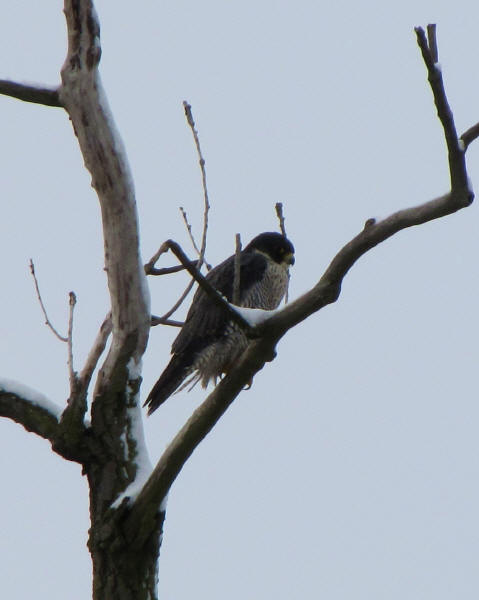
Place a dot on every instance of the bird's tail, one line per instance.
(170, 380)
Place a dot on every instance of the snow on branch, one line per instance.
(29, 408)
(30, 93)
(255, 316)
(37, 414)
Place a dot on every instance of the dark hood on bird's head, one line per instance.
(275, 245)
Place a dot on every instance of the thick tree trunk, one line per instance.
(121, 570)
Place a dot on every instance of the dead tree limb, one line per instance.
(207, 287)
(30, 93)
(326, 291)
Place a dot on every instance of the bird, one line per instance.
(209, 342)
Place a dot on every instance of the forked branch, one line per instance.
(325, 292)
(202, 163)
(39, 415)
(207, 287)
(82, 96)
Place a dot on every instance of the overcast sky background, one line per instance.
(350, 470)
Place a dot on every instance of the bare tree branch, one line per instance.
(208, 288)
(161, 321)
(470, 135)
(325, 292)
(40, 416)
(82, 96)
(191, 123)
(189, 229)
(457, 163)
(280, 215)
(150, 269)
(237, 272)
(71, 371)
(30, 93)
(34, 417)
(154, 259)
(180, 300)
(97, 350)
(190, 233)
(432, 42)
(39, 296)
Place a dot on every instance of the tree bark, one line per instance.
(119, 571)
(127, 522)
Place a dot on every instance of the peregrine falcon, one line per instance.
(209, 343)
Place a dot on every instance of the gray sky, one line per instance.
(350, 469)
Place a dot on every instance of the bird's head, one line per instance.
(275, 245)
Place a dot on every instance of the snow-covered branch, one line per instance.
(37, 414)
(30, 93)
(27, 396)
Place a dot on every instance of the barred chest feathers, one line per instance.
(218, 358)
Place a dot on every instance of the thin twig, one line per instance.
(208, 288)
(179, 302)
(168, 270)
(201, 252)
(98, 347)
(279, 212)
(154, 259)
(191, 123)
(237, 272)
(192, 237)
(150, 268)
(71, 371)
(470, 135)
(161, 321)
(39, 296)
(188, 228)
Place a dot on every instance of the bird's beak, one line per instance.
(289, 258)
